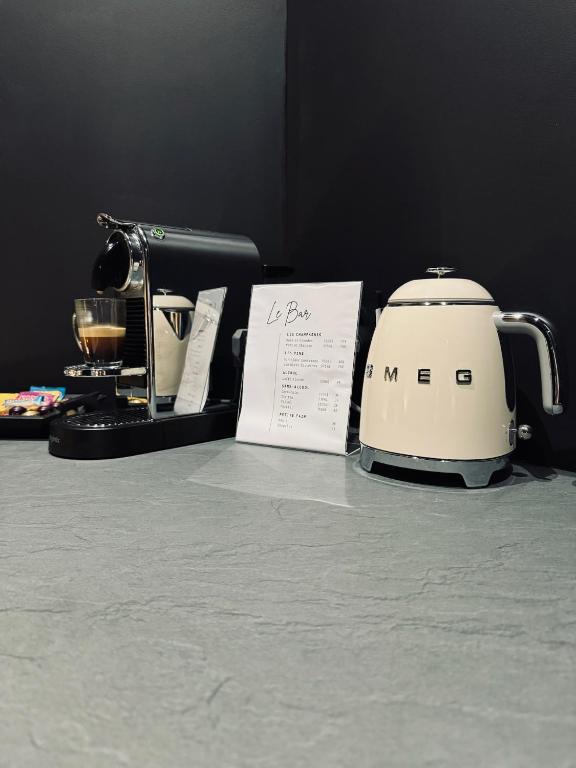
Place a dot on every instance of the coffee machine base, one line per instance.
(131, 431)
(476, 474)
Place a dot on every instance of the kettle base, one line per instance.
(475, 473)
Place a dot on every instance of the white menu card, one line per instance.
(193, 390)
(299, 364)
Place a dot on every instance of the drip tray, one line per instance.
(131, 431)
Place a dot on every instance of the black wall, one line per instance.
(441, 131)
(169, 111)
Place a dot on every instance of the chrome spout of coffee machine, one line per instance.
(159, 271)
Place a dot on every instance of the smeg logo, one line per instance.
(424, 375)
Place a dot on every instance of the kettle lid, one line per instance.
(441, 289)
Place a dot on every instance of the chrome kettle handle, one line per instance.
(541, 331)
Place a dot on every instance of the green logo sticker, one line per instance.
(158, 233)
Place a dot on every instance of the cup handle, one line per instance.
(75, 331)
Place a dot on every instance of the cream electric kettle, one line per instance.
(438, 389)
(173, 317)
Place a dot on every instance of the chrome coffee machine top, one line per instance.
(150, 276)
(439, 391)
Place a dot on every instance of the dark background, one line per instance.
(170, 112)
(425, 132)
(418, 132)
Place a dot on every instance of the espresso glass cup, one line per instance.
(100, 327)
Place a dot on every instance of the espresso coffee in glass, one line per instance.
(100, 327)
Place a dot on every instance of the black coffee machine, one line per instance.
(138, 261)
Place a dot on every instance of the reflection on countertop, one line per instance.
(238, 605)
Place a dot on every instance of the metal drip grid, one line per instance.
(109, 419)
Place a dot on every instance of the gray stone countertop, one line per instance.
(232, 605)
